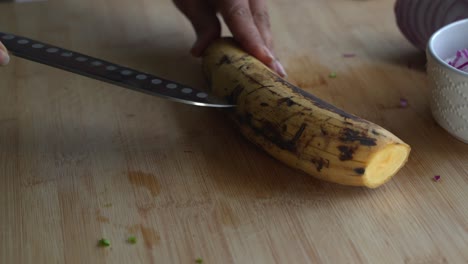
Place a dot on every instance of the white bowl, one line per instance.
(449, 86)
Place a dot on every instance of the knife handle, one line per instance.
(106, 71)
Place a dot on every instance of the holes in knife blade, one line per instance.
(141, 77)
(171, 86)
(8, 37)
(52, 50)
(37, 46)
(186, 90)
(156, 81)
(96, 63)
(202, 95)
(67, 54)
(111, 68)
(126, 72)
(81, 59)
(23, 41)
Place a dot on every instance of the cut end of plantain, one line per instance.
(385, 164)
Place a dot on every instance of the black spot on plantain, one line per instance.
(224, 60)
(346, 152)
(232, 98)
(319, 102)
(264, 104)
(248, 118)
(320, 163)
(350, 135)
(299, 133)
(324, 132)
(375, 132)
(286, 100)
(274, 133)
(360, 171)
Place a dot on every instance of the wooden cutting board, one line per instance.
(82, 160)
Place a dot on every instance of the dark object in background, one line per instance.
(419, 19)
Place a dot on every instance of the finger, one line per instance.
(262, 21)
(4, 57)
(2, 48)
(202, 15)
(238, 18)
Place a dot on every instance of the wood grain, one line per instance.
(81, 159)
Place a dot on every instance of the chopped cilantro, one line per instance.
(104, 242)
(132, 240)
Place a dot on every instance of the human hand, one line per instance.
(4, 58)
(248, 21)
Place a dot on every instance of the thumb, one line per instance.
(4, 57)
(203, 17)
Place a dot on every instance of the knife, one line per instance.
(108, 72)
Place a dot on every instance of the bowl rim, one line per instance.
(433, 53)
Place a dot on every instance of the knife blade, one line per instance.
(109, 72)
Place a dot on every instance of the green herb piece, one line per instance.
(132, 240)
(332, 75)
(199, 261)
(104, 242)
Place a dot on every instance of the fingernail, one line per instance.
(4, 58)
(280, 69)
(269, 54)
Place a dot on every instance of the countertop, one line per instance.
(82, 160)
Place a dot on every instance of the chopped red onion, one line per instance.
(403, 102)
(349, 55)
(437, 178)
(460, 60)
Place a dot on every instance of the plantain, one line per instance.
(297, 128)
